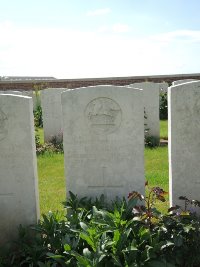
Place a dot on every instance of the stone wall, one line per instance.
(76, 83)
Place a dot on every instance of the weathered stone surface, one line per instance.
(151, 106)
(184, 142)
(24, 93)
(163, 87)
(52, 113)
(104, 140)
(18, 168)
(11, 92)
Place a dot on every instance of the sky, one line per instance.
(99, 38)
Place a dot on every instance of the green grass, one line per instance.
(52, 190)
(156, 171)
(164, 129)
(40, 132)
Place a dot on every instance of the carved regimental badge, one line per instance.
(103, 115)
(3, 128)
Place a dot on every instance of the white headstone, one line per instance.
(103, 140)
(11, 92)
(36, 99)
(18, 168)
(151, 106)
(163, 87)
(52, 113)
(24, 93)
(28, 93)
(184, 143)
(183, 81)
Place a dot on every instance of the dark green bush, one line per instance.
(163, 106)
(55, 145)
(124, 233)
(57, 142)
(38, 121)
(152, 141)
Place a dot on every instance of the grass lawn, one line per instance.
(156, 171)
(40, 132)
(164, 129)
(51, 182)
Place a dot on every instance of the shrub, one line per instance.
(38, 109)
(57, 142)
(37, 139)
(151, 141)
(55, 145)
(38, 121)
(124, 233)
(163, 106)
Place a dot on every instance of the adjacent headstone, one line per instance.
(12, 92)
(182, 81)
(151, 107)
(36, 99)
(18, 168)
(24, 93)
(163, 87)
(52, 113)
(184, 142)
(103, 140)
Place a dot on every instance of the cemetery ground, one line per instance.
(164, 129)
(52, 182)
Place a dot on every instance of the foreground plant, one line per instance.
(147, 212)
(128, 232)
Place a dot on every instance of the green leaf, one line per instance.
(116, 261)
(54, 256)
(87, 253)
(168, 244)
(187, 228)
(102, 256)
(100, 213)
(67, 247)
(84, 226)
(82, 260)
(144, 234)
(88, 240)
(150, 253)
(116, 236)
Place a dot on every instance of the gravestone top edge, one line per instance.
(98, 87)
(13, 95)
(184, 84)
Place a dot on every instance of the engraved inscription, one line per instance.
(103, 115)
(3, 128)
(7, 195)
(105, 184)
